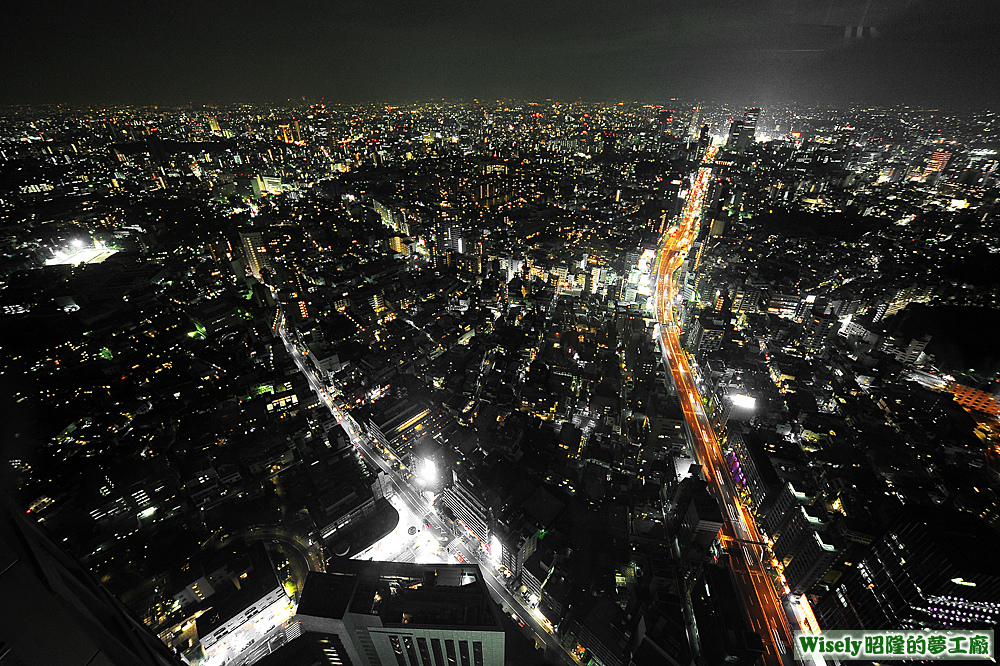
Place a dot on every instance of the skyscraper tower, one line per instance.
(695, 119)
(704, 140)
(746, 129)
(664, 127)
(290, 132)
(255, 251)
(666, 123)
(734, 133)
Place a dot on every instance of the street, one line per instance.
(767, 614)
(420, 506)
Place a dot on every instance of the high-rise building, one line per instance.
(745, 129)
(932, 568)
(811, 560)
(704, 140)
(462, 498)
(975, 399)
(388, 613)
(937, 163)
(734, 133)
(255, 250)
(665, 124)
(751, 468)
(55, 611)
(290, 132)
(695, 119)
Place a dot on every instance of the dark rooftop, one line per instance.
(400, 593)
(327, 595)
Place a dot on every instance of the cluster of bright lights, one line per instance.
(743, 401)
(427, 472)
(80, 251)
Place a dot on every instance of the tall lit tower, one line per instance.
(734, 133)
(255, 251)
(704, 140)
(695, 119)
(290, 132)
(666, 122)
(747, 128)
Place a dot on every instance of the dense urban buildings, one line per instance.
(508, 382)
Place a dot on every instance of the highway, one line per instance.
(765, 607)
(420, 506)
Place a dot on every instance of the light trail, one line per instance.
(763, 604)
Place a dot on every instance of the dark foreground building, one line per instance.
(395, 614)
(933, 568)
(55, 612)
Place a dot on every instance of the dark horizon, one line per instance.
(766, 52)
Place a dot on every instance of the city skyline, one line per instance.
(767, 53)
(507, 376)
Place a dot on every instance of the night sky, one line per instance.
(754, 51)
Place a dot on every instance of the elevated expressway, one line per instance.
(763, 604)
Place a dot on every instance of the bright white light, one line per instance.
(427, 472)
(78, 243)
(743, 401)
(495, 550)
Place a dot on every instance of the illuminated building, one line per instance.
(937, 162)
(932, 568)
(256, 607)
(396, 429)
(976, 400)
(695, 119)
(238, 618)
(701, 520)
(388, 613)
(707, 335)
(462, 497)
(911, 355)
(704, 140)
(805, 549)
(751, 469)
(734, 133)
(255, 251)
(778, 505)
(812, 559)
(399, 246)
(665, 122)
(290, 132)
(741, 132)
(55, 610)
